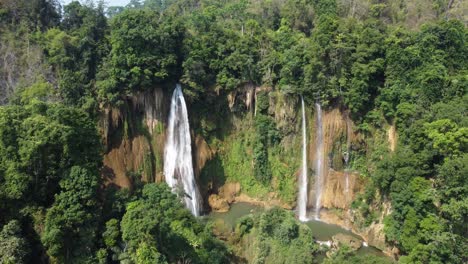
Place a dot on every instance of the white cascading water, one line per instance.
(347, 156)
(346, 174)
(178, 168)
(302, 199)
(319, 162)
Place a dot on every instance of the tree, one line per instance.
(77, 50)
(159, 228)
(447, 138)
(453, 190)
(39, 143)
(144, 51)
(71, 222)
(40, 14)
(13, 247)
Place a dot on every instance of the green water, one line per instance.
(236, 211)
(323, 231)
(320, 230)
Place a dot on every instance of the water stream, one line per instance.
(319, 160)
(302, 199)
(178, 167)
(347, 156)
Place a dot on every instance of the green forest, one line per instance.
(77, 80)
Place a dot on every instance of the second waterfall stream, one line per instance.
(319, 160)
(302, 199)
(178, 167)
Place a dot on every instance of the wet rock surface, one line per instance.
(351, 242)
(218, 204)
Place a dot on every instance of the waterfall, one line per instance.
(319, 162)
(346, 175)
(178, 168)
(347, 156)
(302, 199)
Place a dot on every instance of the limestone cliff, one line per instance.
(134, 136)
(337, 134)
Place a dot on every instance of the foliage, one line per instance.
(14, 247)
(144, 51)
(347, 256)
(159, 228)
(275, 236)
(71, 222)
(39, 144)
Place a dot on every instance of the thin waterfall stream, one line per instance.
(302, 199)
(346, 156)
(178, 167)
(319, 160)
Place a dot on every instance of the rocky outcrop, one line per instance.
(392, 137)
(271, 201)
(133, 135)
(245, 94)
(129, 156)
(373, 234)
(338, 138)
(202, 153)
(283, 109)
(230, 191)
(218, 204)
(351, 242)
(153, 106)
(334, 194)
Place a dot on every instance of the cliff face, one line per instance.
(337, 135)
(334, 194)
(285, 157)
(340, 142)
(134, 136)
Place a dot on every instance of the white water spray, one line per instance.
(302, 199)
(178, 168)
(347, 156)
(319, 162)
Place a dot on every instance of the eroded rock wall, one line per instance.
(133, 135)
(338, 138)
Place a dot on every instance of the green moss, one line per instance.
(236, 158)
(159, 129)
(284, 165)
(148, 167)
(126, 129)
(234, 162)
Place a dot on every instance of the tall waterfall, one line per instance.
(319, 162)
(347, 156)
(178, 168)
(302, 199)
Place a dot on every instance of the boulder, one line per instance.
(347, 240)
(218, 204)
(229, 191)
